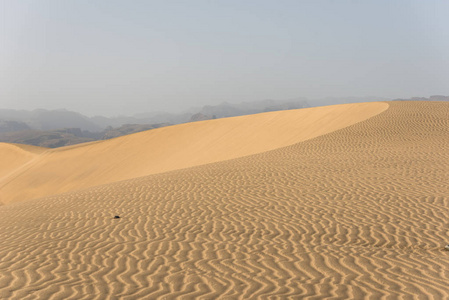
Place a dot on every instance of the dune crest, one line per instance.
(176, 147)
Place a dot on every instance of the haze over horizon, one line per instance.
(121, 57)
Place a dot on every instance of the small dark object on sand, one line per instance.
(116, 217)
(446, 247)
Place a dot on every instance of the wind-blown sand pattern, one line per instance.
(359, 212)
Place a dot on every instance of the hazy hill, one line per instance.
(41, 119)
(12, 126)
(141, 119)
(48, 139)
(431, 98)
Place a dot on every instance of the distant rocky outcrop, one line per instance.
(201, 117)
(439, 98)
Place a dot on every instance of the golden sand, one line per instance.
(14, 156)
(344, 209)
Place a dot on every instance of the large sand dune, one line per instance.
(165, 149)
(359, 210)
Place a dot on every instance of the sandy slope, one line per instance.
(14, 156)
(75, 167)
(358, 213)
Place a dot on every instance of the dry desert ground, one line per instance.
(339, 202)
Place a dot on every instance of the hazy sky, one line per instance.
(122, 57)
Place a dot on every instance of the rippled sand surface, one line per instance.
(357, 209)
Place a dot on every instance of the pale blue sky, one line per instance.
(123, 57)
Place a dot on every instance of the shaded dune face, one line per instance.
(175, 147)
(360, 212)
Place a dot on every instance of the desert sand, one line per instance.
(340, 202)
(15, 156)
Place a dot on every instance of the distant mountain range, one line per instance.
(431, 98)
(56, 128)
(40, 119)
(67, 136)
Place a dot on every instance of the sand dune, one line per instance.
(359, 212)
(14, 156)
(182, 146)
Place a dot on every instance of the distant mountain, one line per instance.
(69, 136)
(57, 128)
(49, 139)
(142, 118)
(48, 120)
(439, 98)
(12, 126)
(431, 98)
(201, 117)
(41, 119)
